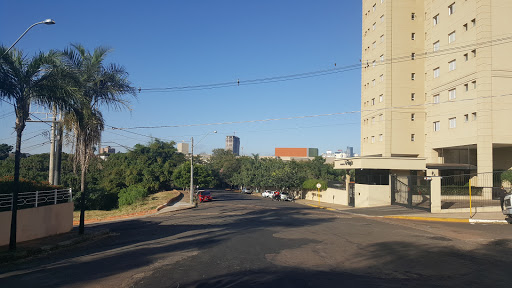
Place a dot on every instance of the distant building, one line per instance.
(107, 150)
(349, 152)
(233, 144)
(296, 153)
(183, 148)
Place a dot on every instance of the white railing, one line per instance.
(37, 198)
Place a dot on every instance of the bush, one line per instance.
(132, 194)
(461, 191)
(310, 184)
(7, 185)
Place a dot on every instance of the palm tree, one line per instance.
(100, 85)
(23, 81)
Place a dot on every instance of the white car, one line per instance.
(285, 196)
(267, 194)
(246, 191)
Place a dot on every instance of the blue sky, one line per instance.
(181, 43)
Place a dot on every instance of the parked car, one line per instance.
(507, 207)
(266, 194)
(204, 196)
(246, 191)
(285, 196)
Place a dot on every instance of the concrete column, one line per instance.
(435, 195)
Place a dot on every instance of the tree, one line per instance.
(24, 81)
(99, 85)
(5, 150)
(224, 164)
(203, 177)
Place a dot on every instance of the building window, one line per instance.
(412, 96)
(381, 77)
(474, 84)
(413, 55)
(436, 72)
(437, 126)
(413, 16)
(380, 137)
(381, 117)
(466, 117)
(465, 26)
(474, 53)
(466, 58)
(466, 87)
(473, 22)
(452, 94)
(382, 19)
(412, 137)
(436, 46)
(374, 44)
(381, 38)
(373, 101)
(452, 65)
(435, 99)
(373, 63)
(413, 76)
(413, 36)
(453, 122)
(412, 116)
(373, 139)
(373, 82)
(451, 37)
(474, 116)
(382, 58)
(374, 7)
(381, 98)
(373, 120)
(374, 26)
(451, 9)
(436, 19)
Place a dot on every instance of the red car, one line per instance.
(204, 196)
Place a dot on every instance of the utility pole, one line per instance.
(192, 172)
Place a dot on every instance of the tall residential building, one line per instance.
(436, 84)
(183, 148)
(233, 144)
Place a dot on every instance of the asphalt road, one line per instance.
(245, 241)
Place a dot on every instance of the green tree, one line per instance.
(24, 81)
(224, 165)
(100, 84)
(5, 150)
(203, 177)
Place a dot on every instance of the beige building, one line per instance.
(183, 148)
(436, 86)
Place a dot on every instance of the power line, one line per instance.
(397, 59)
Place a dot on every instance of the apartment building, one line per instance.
(436, 86)
(233, 144)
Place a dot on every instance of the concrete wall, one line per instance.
(372, 195)
(38, 222)
(331, 195)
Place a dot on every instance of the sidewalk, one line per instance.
(400, 212)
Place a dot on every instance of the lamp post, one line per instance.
(47, 22)
(192, 165)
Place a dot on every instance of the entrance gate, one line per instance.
(410, 191)
(351, 194)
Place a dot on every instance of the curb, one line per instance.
(474, 221)
(431, 219)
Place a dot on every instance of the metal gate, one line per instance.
(351, 194)
(410, 191)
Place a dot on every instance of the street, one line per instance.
(247, 241)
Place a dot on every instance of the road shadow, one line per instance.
(139, 241)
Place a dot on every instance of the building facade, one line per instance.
(233, 144)
(436, 83)
(183, 148)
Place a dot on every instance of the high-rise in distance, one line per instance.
(233, 144)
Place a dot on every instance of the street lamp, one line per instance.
(192, 166)
(47, 22)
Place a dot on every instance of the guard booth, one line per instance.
(373, 181)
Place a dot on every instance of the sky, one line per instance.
(168, 44)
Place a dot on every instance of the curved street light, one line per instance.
(47, 22)
(192, 165)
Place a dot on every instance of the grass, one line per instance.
(150, 203)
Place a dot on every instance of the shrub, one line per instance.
(132, 194)
(7, 185)
(507, 176)
(310, 184)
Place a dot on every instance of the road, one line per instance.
(245, 241)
